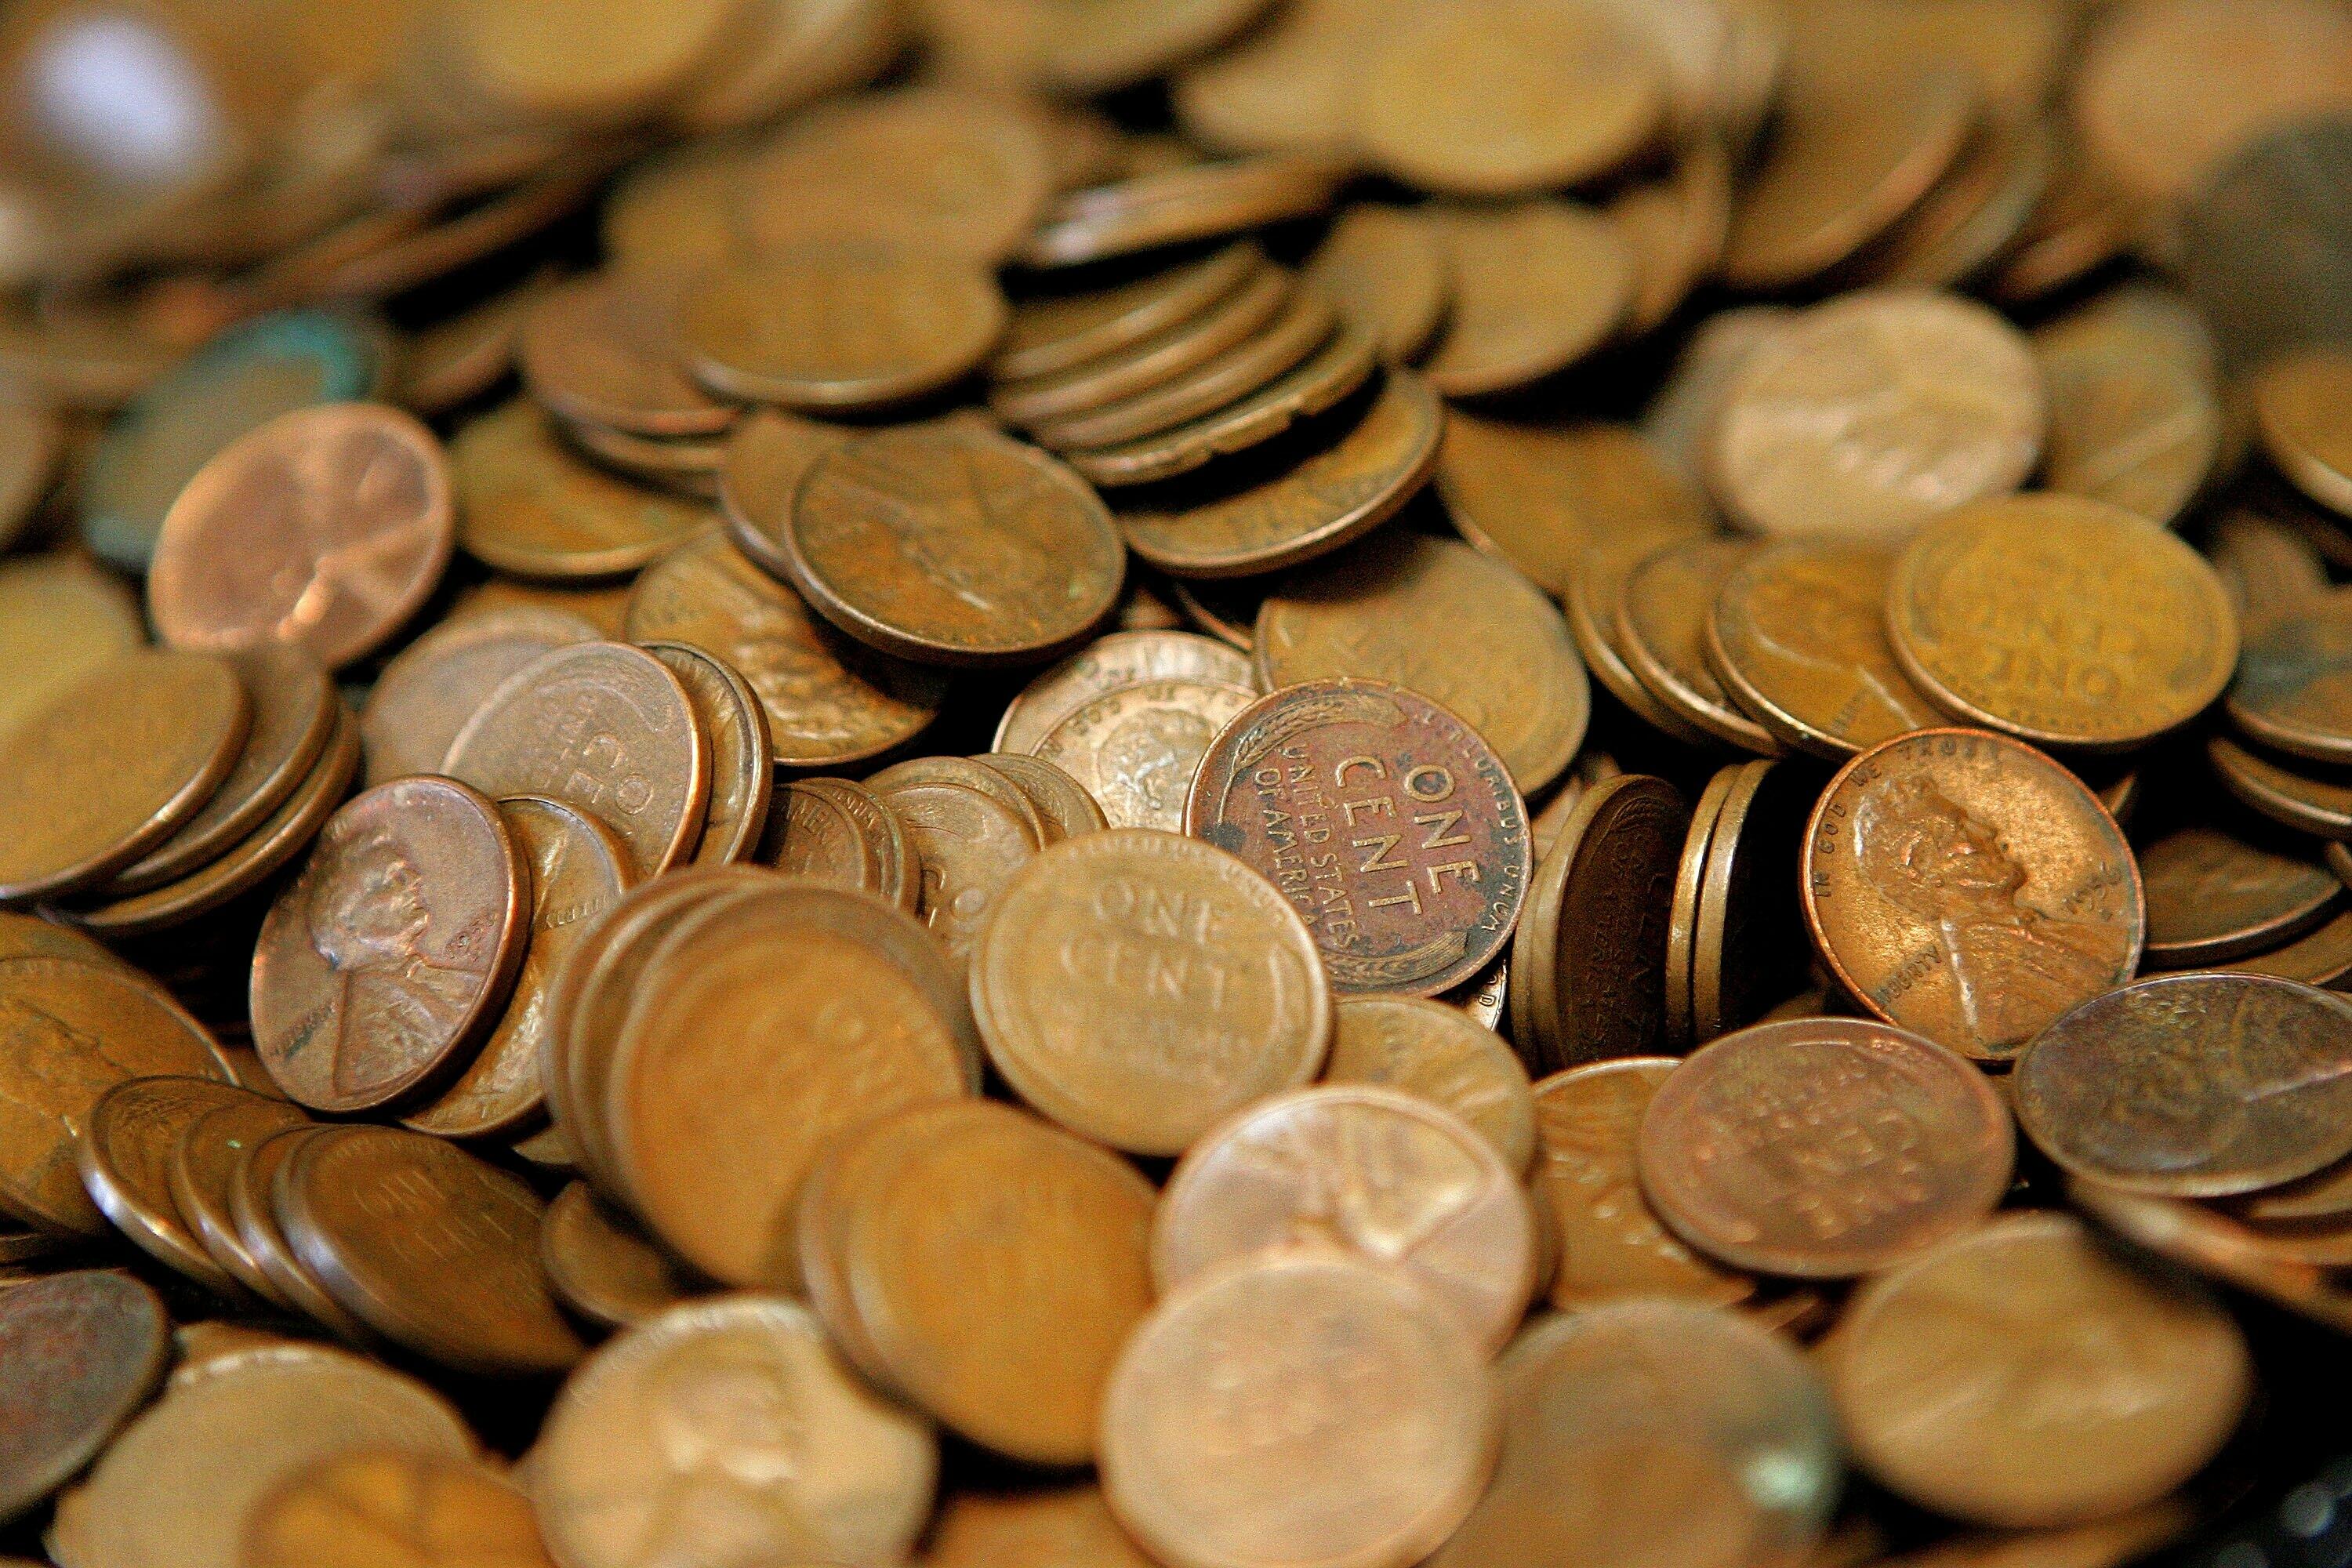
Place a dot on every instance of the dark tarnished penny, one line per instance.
(385, 961)
(600, 1265)
(2193, 1085)
(2294, 686)
(429, 1245)
(1390, 827)
(82, 1352)
(1748, 943)
(2315, 801)
(125, 1158)
(1060, 332)
(201, 1172)
(1825, 1148)
(1964, 886)
(2213, 896)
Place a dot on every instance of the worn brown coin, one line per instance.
(1382, 612)
(383, 964)
(965, 772)
(1438, 859)
(2213, 896)
(459, 358)
(1060, 332)
(968, 847)
(2288, 693)
(1389, 273)
(72, 1031)
(538, 66)
(603, 727)
(253, 1213)
(1438, 1053)
(2267, 566)
(1663, 614)
(429, 1245)
(1609, 1241)
(2310, 802)
(1542, 497)
(33, 436)
(1748, 947)
(821, 833)
(2191, 1085)
(1121, 658)
(2298, 410)
(950, 543)
(761, 472)
(2321, 957)
(742, 762)
(1835, 426)
(821, 1008)
(1596, 593)
(1823, 1148)
(1677, 225)
(200, 1171)
(433, 685)
(1845, 164)
(1973, 214)
(1798, 635)
(125, 1158)
(1388, 1443)
(113, 766)
(373, 1510)
(1682, 914)
(60, 616)
(1177, 350)
(2023, 1376)
(527, 505)
(1201, 201)
(1066, 1527)
(84, 1351)
(1963, 886)
(1064, 988)
(28, 936)
(702, 1403)
(1385, 1175)
(2129, 424)
(601, 1266)
(1538, 285)
(1135, 748)
(1287, 85)
(2149, 639)
(1680, 419)
(601, 351)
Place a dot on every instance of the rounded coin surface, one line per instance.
(527, 505)
(1823, 1148)
(1119, 658)
(1387, 272)
(1440, 1054)
(60, 616)
(1538, 285)
(1064, 807)
(968, 847)
(1440, 857)
(379, 966)
(965, 772)
(1169, 206)
(1541, 497)
(1389, 1438)
(542, 64)
(2298, 402)
(1061, 332)
(84, 1351)
(742, 763)
(2261, 244)
(819, 833)
(2025, 1375)
(428, 690)
(2213, 896)
(253, 1212)
(1963, 886)
(598, 350)
(601, 1266)
(125, 1157)
(2289, 694)
(2302, 801)
(2127, 424)
(378, 1510)
(200, 1171)
(1136, 748)
(1062, 987)
(760, 472)
(1663, 613)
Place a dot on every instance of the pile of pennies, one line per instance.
(1173, 784)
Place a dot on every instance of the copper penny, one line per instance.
(742, 762)
(1064, 809)
(1437, 860)
(2128, 423)
(1609, 1241)
(200, 1171)
(1121, 658)
(1386, 1444)
(1061, 332)
(325, 528)
(2297, 410)
(1200, 201)
(1136, 748)
(601, 1266)
(2023, 1376)
(1974, 214)
(1538, 285)
(965, 772)
(1068, 1527)
(601, 351)
(821, 833)
(386, 960)
(1540, 497)
(2322, 957)
(2288, 693)
(60, 616)
(1137, 987)
(1682, 913)
(1681, 417)
(1387, 272)
(433, 685)
(1823, 1148)
(1438, 1053)
(1287, 86)
(2213, 896)
(603, 727)
(1964, 886)
(1749, 947)
(253, 1211)
(767, 457)
(952, 544)
(84, 1351)
(375, 1509)
(113, 766)
(462, 357)
(2267, 566)
(1177, 350)
(969, 847)
(125, 1157)
(1663, 613)
(528, 506)
(2309, 802)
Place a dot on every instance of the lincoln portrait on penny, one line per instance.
(370, 923)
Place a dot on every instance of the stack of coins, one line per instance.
(1173, 784)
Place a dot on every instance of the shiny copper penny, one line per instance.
(601, 351)
(2023, 1376)
(1538, 285)
(950, 543)
(84, 1351)
(742, 762)
(528, 506)
(600, 1265)
(428, 1244)
(1437, 860)
(325, 528)
(1823, 1148)
(1663, 613)
(385, 961)
(200, 1171)
(1963, 886)
(969, 847)
(1135, 748)
(1121, 658)
(603, 727)
(253, 1211)
(1438, 1053)
(2213, 896)
(376, 1510)
(2192, 1085)
(431, 687)
(1389, 1436)
(125, 1158)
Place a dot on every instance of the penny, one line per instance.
(2297, 402)
(33, 437)
(1386, 1448)
(1226, 323)
(2127, 424)
(1845, 165)
(124, 1154)
(599, 351)
(1500, 99)
(253, 1213)
(742, 762)
(2213, 896)
(1749, 947)
(113, 766)
(1538, 285)
(1632, 1432)
(1304, 325)
(1798, 635)
(528, 506)
(1115, 47)
(178, 1484)
(2267, 566)
(1064, 809)
(968, 847)
(761, 471)
(2321, 1197)
(1060, 332)
(700, 1403)
(2211, 1243)
(963, 773)
(1388, 273)
(84, 1351)
(1067, 1527)
(2261, 247)
(379, 965)
(1833, 426)
(364, 1510)
(823, 1009)
(200, 1171)
(1540, 497)
(2081, 222)
(1202, 201)
(1590, 958)
(541, 65)
(820, 834)
(2191, 1085)
(2286, 693)
(603, 727)
(1682, 914)
(1974, 214)
(1119, 660)
(1287, 85)
(1596, 591)
(1680, 419)
(2322, 806)
(1610, 1241)
(601, 1266)
(1427, 905)
(60, 616)
(1677, 227)
(2321, 957)
(1382, 1174)
(598, 604)
(2022, 1375)
(2150, 639)
(1437, 1053)
(462, 357)
(1382, 612)
(1662, 614)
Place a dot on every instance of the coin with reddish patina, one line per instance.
(82, 1352)
(1388, 824)
(1963, 885)
(1823, 1147)
(325, 528)
(386, 958)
